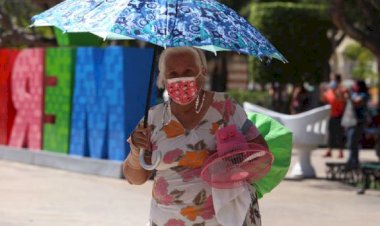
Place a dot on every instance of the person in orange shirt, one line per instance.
(336, 98)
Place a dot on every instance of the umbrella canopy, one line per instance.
(65, 13)
(206, 24)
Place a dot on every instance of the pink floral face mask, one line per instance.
(183, 90)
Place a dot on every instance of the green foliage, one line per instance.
(21, 11)
(299, 32)
(237, 5)
(364, 16)
(261, 98)
(363, 61)
(15, 19)
(357, 52)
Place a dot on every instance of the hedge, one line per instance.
(299, 32)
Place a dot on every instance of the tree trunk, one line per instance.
(220, 73)
(378, 80)
(278, 98)
(326, 70)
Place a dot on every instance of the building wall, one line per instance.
(237, 72)
(341, 64)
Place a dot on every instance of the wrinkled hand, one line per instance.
(140, 137)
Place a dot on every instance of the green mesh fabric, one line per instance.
(279, 140)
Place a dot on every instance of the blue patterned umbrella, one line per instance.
(206, 24)
(65, 13)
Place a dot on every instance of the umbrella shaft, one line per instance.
(150, 87)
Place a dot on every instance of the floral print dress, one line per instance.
(180, 197)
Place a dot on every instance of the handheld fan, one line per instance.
(236, 161)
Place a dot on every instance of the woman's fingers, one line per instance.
(141, 142)
(141, 137)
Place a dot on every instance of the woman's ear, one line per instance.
(204, 71)
(202, 78)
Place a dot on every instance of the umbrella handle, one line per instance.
(146, 166)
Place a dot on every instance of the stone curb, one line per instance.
(105, 168)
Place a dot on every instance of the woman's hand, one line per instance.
(259, 140)
(133, 172)
(140, 137)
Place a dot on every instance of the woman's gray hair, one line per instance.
(199, 54)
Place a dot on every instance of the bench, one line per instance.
(309, 131)
(364, 175)
(340, 171)
(370, 175)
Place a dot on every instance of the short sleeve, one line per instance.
(239, 117)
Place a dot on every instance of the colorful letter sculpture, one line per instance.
(59, 70)
(7, 111)
(78, 101)
(109, 94)
(27, 96)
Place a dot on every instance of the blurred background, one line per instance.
(318, 37)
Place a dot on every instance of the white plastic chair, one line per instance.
(309, 131)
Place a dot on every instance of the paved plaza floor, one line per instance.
(31, 195)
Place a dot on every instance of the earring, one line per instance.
(197, 102)
(198, 109)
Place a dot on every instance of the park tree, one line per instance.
(360, 19)
(237, 5)
(363, 60)
(45, 4)
(330, 38)
(15, 18)
(300, 32)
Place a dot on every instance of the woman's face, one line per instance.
(182, 65)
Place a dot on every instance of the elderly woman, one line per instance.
(183, 129)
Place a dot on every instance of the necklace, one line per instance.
(166, 110)
(197, 107)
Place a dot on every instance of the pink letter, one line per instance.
(27, 95)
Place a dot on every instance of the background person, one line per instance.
(300, 101)
(359, 96)
(335, 97)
